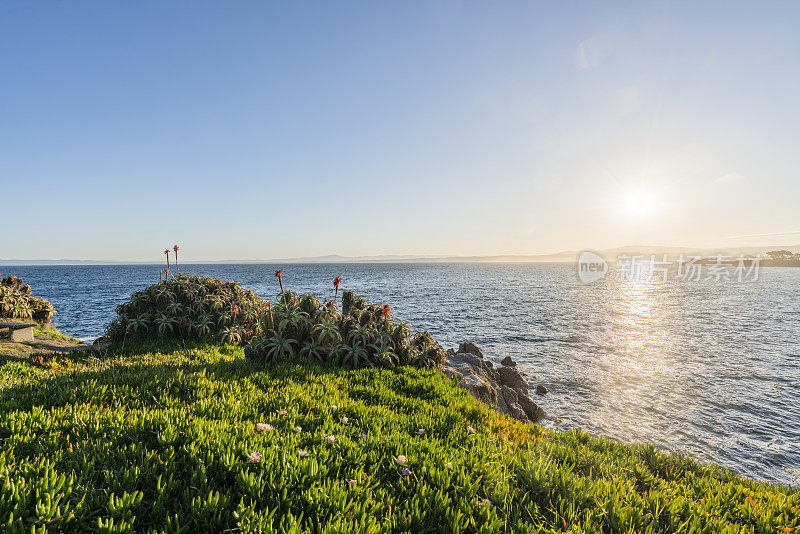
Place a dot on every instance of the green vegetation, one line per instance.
(200, 439)
(46, 332)
(17, 302)
(190, 307)
(363, 334)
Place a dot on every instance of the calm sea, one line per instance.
(707, 368)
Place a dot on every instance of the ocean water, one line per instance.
(708, 368)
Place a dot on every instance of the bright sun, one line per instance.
(638, 203)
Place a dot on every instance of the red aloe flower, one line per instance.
(166, 253)
(336, 282)
(386, 311)
(176, 248)
(279, 276)
(234, 309)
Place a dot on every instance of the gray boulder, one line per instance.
(502, 387)
(541, 390)
(471, 376)
(510, 377)
(508, 362)
(513, 407)
(531, 409)
(470, 348)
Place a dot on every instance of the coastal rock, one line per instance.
(502, 387)
(470, 348)
(510, 377)
(507, 361)
(514, 409)
(531, 409)
(101, 343)
(541, 390)
(471, 376)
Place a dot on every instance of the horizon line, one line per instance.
(554, 257)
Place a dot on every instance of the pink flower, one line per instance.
(470, 430)
(362, 436)
(421, 432)
(334, 407)
(281, 412)
(302, 453)
(264, 426)
(485, 502)
(351, 483)
(254, 457)
(406, 471)
(401, 460)
(331, 439)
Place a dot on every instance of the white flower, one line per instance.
(331, 439)
(264, 426)
(421, 432)
(449, 465)
(345, 420)
(334, 407)
(401, 460)
(298, 429)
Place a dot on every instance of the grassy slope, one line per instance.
(44, 331)
(159, 441)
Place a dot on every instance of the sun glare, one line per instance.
(638, 204)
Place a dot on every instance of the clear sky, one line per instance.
(245, 130)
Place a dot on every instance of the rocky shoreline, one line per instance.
(503, 388)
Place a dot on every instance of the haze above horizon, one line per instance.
(437, 129)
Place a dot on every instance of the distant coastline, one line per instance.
(567, 256)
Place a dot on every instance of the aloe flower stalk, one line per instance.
(279, 276)
(385, 311)
(166, 253)
(176, 248)
(336, 282)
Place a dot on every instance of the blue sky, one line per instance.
(246, 130)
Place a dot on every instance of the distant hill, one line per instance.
(558, 257)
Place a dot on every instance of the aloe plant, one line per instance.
(175, 248)
(279, 346)
(191, 307)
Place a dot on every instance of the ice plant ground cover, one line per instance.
(173, 438)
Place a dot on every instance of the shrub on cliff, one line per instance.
(362, 334)
(18, 302)
(190, 307)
